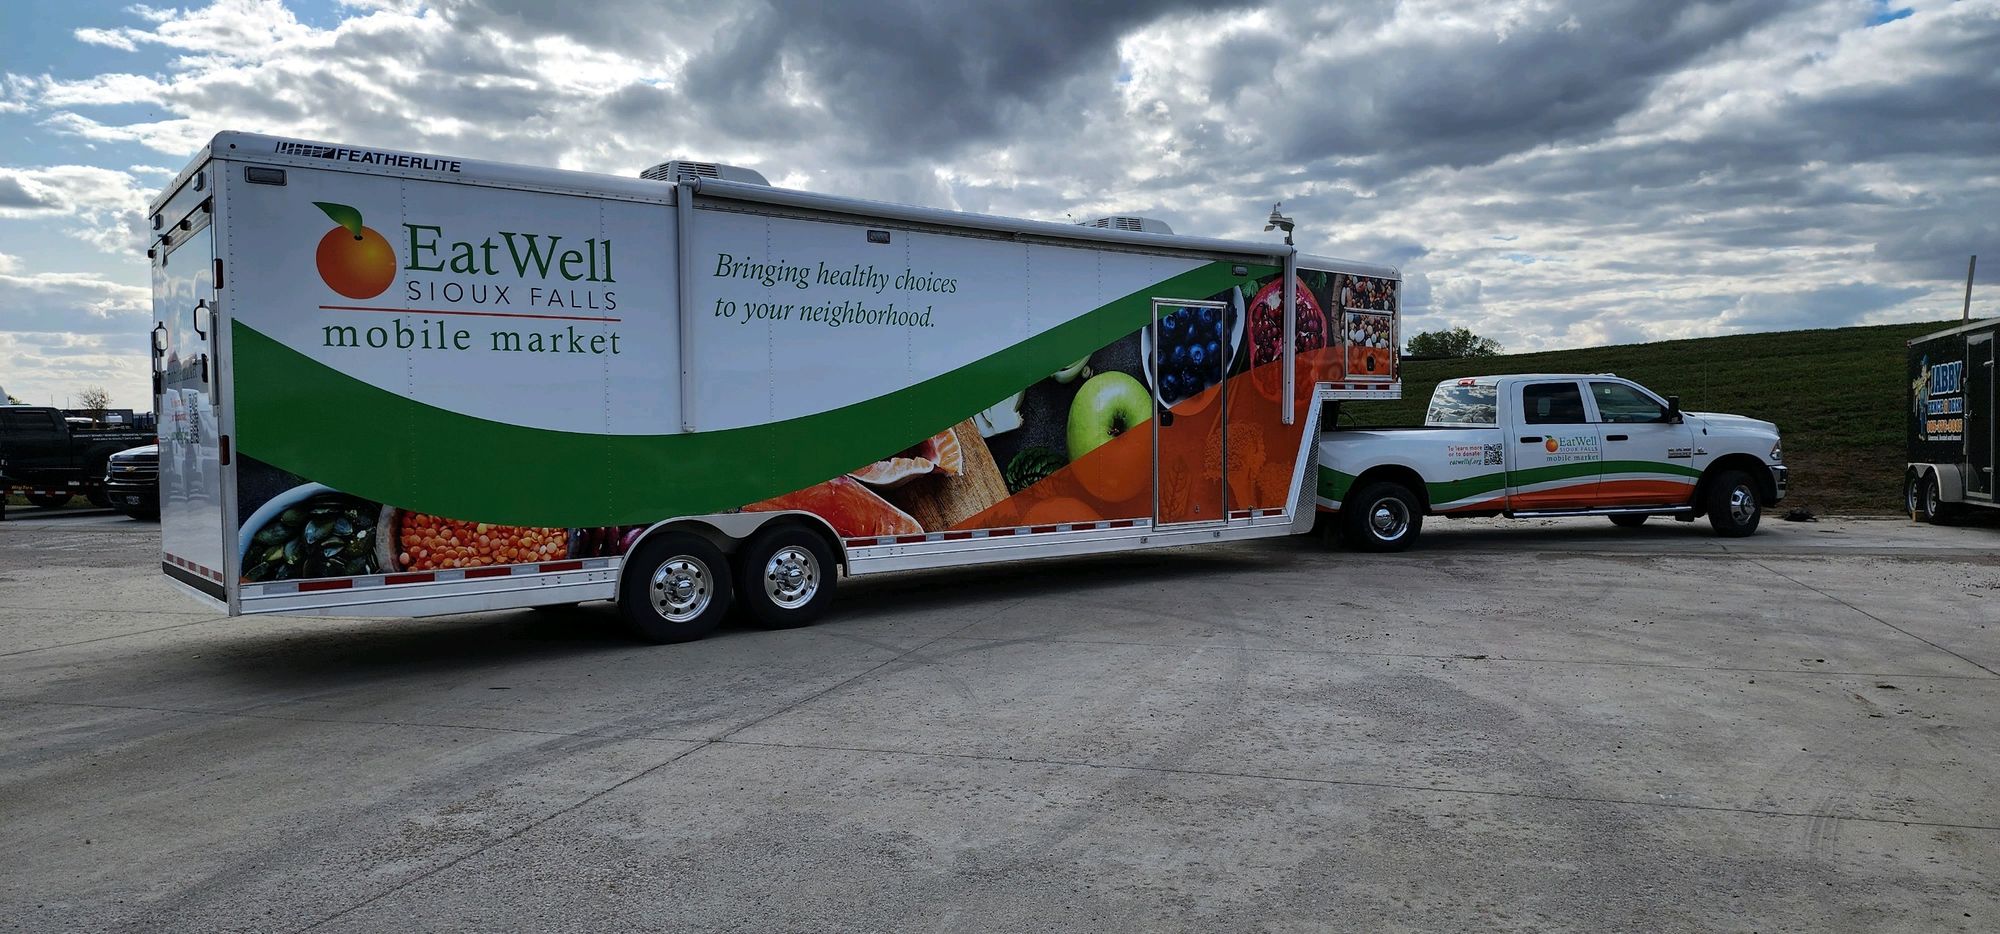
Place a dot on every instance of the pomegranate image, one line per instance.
(1267, 323)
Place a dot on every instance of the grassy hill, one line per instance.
(1837, 396)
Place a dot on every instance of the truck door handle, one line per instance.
(1615, 438)
(1531, 439)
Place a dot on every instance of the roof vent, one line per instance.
(1124, 222)
(674, 170)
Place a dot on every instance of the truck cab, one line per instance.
(1549, 445)
(52, 456)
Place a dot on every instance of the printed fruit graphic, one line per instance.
(354, 260)
(1267, 322)
(1267, 334)
(1109, 405)
(1551, 445)
(852, 509)
(1193, 351)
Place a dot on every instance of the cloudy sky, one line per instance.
(1551, 173)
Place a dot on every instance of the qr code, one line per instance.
(1492, 455)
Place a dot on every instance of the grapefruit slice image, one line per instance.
(853, 510)
(939, 453)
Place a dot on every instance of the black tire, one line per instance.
(48, 500)
(1732, 505)
(1629, 521)
(786, 576)
(1917, 496)
(1382, 516)
(699, 574)
(1931, 501)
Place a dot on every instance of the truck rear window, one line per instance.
(1464, 405)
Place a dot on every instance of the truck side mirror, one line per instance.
(1673, 416)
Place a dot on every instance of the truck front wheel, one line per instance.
(1733, 509)
(1382, 516)
(676, 588)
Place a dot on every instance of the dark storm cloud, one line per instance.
(909, 77)
(1467, 99)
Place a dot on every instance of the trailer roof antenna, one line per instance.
(1280, 222)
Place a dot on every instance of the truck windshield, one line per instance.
(1459, 404)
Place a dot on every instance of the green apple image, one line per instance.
(1108, 405)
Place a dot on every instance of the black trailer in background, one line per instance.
(1951, 421)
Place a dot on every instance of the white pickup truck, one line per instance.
(1547, 445)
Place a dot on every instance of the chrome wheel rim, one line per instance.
(1931, 498)
(1742, 505)
(1910, 496)
(791, 577)
(681, 588)
(1388, 519)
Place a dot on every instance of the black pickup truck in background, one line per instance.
(49, 457)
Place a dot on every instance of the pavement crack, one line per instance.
(1872, 616)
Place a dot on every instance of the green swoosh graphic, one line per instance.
(1334, 484)
(305, 417)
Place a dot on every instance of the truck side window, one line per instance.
(1551, 404)
(1617, 402)
(1464, 405)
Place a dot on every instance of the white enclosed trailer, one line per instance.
(401, 384)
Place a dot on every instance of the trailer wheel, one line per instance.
(676, 588)
(1917, 495)
(787, 575)
(1936, 510)
(48, 500)
(1629, 521)
(1733, 509)
(1382, 516)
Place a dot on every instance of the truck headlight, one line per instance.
(1778, 452)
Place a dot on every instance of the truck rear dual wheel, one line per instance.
(678, 587)
(1382, 516)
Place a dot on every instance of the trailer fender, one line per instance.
(728, 531)
(1951, 484)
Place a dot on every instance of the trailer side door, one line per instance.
(1979, 414)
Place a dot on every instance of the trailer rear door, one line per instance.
(192, 535)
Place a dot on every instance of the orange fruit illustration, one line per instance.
(354, 260)
(1551, 445)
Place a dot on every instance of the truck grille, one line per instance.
(140, 469)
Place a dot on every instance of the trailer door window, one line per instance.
(1552, 404)
(1619, 403)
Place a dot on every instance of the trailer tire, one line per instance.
(1629, 521)
(48, 500)
(1382, 516)
(1931, 500)
(1917, 497)
(676, 588)
(1733, 509)
(787, 575)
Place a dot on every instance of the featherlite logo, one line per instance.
(560, 281)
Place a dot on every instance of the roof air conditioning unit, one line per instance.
(1124, 222)
(674, 170)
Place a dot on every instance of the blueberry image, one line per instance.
(1197, 354)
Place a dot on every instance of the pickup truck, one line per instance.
(1547, 445)
(51, 457)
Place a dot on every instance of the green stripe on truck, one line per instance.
(303, 416)
(1334, 485)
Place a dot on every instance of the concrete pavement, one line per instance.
(1521, 726)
